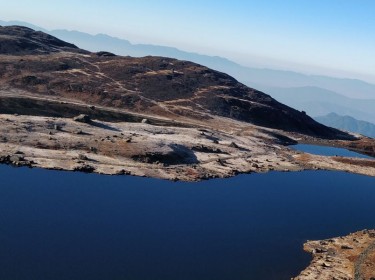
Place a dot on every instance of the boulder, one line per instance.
(84, 168)
(16, 158)
(234, 145)
(105, 54)
(82, 118)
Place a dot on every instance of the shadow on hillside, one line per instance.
(104, 126)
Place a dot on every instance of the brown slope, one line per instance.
(20, 40)
(41, 64)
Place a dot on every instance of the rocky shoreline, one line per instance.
(222, 149)
(351, 257)
(140, 149)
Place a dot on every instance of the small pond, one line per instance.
(327, 151)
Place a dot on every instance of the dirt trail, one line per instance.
(364, 266)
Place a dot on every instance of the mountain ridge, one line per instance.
(317, 102)
(261, 78)
(158, 84)
(23, 40)
(71, 109)
(348, 123)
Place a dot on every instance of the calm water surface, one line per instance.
(327, 151)
(63, 225)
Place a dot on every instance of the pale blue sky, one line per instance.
(326, 36)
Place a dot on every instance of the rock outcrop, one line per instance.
(82, 118)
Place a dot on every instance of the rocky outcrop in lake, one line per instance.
(350, 257)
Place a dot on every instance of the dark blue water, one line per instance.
(62, 225)
(327, 151)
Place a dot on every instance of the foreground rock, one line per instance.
(169, 152)
(350, 257)
(223, 148)
(82, 118)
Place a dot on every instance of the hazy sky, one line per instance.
(309, 35)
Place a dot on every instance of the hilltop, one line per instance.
(348, 123)
(20, 40)
(195, 120)
(163, 86)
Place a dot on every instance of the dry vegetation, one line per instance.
(355, 161)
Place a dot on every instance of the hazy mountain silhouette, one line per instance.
(348, 123)
(318, 102)
(23, 23)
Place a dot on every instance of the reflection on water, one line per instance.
(64, 225)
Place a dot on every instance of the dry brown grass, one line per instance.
(303, 157)
(357, 162)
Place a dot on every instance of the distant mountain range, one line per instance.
(254, 77)
(348, 123)
(318, 102)
(261, 79)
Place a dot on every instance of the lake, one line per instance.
(65, 225)
(327, 151)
